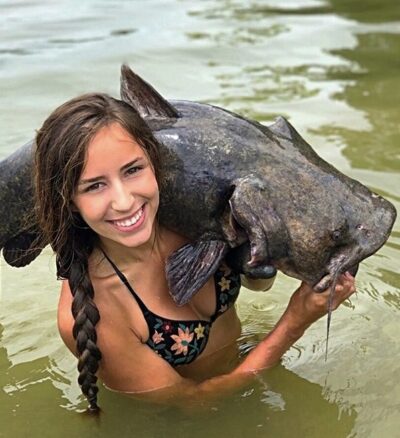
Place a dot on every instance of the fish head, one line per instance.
(325, 246)
(333, 222)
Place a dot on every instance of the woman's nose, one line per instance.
(122, 199)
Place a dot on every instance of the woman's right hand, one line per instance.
(307, 306)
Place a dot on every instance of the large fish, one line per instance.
(258, 195)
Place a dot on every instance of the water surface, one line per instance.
(332, 68)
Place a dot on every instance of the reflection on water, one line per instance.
(331, 67)
(375, 91)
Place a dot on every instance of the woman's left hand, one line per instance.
(307, 306)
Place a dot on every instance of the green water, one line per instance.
(333, 68)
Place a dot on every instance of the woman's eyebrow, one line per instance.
(131, 163)
(97, 178)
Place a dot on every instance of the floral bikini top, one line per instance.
(180, 342)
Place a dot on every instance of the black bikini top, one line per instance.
(181, 342)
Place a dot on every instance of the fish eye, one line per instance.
(336, 235)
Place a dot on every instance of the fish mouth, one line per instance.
(327, 280)
(344, 262)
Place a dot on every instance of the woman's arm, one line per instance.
(305, 307)
(128, 365)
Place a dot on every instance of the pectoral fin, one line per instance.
(189, 268)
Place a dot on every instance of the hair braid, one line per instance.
(74, 266)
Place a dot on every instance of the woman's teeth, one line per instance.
(131, 221)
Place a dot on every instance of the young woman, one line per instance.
(96, 173)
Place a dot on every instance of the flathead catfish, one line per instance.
(258, 196)
(234, 183)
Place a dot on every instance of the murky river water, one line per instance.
(333, 68)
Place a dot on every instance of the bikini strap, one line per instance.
(124, 280)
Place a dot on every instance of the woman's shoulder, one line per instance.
(119, 314)
(65, 319)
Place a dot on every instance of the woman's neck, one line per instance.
(157, 249)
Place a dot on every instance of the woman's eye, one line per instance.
(133, 170)
(93, 187)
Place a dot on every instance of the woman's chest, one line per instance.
(178, 334)
(145, 305)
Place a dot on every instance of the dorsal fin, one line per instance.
(143, 97)
(282, 128)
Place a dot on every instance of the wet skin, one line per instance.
(117, 194)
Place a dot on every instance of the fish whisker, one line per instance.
(330, 301)
(344, 264)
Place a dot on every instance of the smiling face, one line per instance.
(117, 193)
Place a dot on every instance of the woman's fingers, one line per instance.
(309, 305)
(344, 288)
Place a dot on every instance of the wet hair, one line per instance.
(60, 153)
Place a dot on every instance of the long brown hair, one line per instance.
(60, 152)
